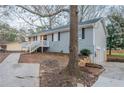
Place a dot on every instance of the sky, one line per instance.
(18, 23)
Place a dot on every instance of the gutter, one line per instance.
(67, 29)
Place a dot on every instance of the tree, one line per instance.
(48, 16)
(91, 11)
(111, 40)
(41, 12)
(73, 50)
(7, 33)
(115, 31)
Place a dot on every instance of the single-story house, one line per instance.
(91, 35)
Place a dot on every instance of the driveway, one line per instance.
(113, 76)
(14, 74)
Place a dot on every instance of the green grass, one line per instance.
(118, 54)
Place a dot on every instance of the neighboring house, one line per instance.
(13, 46)
(91, 35)
(10, 46)
(3, 45)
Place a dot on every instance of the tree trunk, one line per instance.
(73, 55)
(110, 45)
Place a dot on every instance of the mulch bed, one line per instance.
(51, 64)
(3, 56)
(115, 59)
(50, 75)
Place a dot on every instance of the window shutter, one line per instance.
(52, 37)
(83, 33)
(58, 36)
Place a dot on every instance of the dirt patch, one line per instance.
(51, 64)
(50, 75)
(61, 59)
(3, 56)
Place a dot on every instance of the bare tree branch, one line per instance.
(44, 15)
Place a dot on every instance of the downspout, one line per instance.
(94, 45)
(42, 43)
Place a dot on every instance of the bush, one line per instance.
(85, 52)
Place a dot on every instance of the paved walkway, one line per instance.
(113, 76)
(14, 74)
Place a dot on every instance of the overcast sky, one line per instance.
(18, 23)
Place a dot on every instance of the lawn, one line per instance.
(118, 54)
(116, 57)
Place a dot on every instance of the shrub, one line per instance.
(61, 51)
(85, 52)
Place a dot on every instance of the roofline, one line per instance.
(105, 29)
(66, 28)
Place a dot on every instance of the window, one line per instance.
(55, 37)
(29, 38)
(33, 38)
(58, 36)
(52, 37)
(45, 37)
(36, 38)
(83, 33)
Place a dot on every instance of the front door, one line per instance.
(45, 37)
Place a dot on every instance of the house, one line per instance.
(91, 35)
(10, 46)
(3, 45)
(13, 46)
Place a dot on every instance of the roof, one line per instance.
(87, 22)
(91, 21)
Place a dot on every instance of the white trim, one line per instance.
(94, 44)
(66, 29)
(42, 43)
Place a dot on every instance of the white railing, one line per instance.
(44, 43)
(34, 45)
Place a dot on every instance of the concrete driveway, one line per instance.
(14, 74)
(113, 76)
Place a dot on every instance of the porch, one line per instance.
(31, 46)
